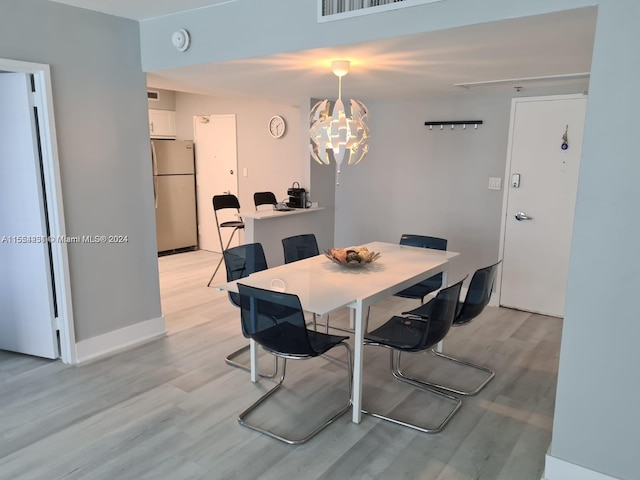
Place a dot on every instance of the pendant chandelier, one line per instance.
(336, 133)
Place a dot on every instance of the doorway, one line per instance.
(36, 316)
(543, 161)
(216, 173)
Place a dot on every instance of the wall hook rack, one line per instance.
(453, 123)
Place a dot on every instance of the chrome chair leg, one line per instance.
(296, 441)
(465, 363)
(394, 363)
(222, 255)
(230, 360)
(429, 384)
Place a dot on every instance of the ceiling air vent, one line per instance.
(153, 95)
(338, 9)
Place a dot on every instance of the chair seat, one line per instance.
(422, 289)
(424, 311)
(233, 223)
(281, 339)
(400, 333)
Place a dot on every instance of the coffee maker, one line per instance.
(297, 196)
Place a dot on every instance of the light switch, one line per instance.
(495, 183)
(245, 172)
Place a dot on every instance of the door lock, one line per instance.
(515, 180)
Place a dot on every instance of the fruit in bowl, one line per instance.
(352, 256)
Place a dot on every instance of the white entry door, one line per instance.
(27, 315)
(541, 183)
(216, 174)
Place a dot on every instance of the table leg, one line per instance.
(358, 362)
(445, 283)
(254, 360)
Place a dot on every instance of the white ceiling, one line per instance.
(141, 9)
(409, 66)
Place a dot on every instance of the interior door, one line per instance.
(216, 173)
(27, 314)
(542, 184)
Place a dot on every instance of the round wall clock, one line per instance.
(277, 126)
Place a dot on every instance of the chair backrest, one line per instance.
(225, 201)
(275, 320)
(478, 294)
(264, 198)
(242, 261)
(299, 247)
(424, 241)
(443, 312)
(221, 202)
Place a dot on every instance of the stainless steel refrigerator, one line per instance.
(175, 194)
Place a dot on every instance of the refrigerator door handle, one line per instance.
(154, 158)
(154, 162)
(155, 191)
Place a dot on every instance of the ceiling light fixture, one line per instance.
(339, 135)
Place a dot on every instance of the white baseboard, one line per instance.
(558, 469)
(112, 342)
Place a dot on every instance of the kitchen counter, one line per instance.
(265, 214)
(269, 227)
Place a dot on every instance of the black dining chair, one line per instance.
(431, 284)
(416, 335)
(240, 262)
(264, 198)
(299, 247)
(286, 336)
(221, 202)
(476, 299)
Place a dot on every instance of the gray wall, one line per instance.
(101, 119)
(596, 424)
(432, 182)
(273, 163)
(596, 419)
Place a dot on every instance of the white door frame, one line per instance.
(43, 99)
(507, 179)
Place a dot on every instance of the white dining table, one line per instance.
(324, 287)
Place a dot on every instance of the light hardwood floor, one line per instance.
(167, 409)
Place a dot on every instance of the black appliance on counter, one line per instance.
(297, 196)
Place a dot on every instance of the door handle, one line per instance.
(522, 216)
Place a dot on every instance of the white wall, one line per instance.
(101, 118)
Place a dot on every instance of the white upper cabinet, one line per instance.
(162, 123)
